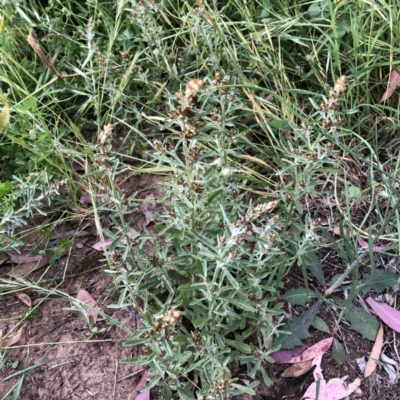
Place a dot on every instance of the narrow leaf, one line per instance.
(387, 314)
(297, 370)
(283, 356)
(299, 296)
(321, 325)
(316, 350)
(394, 81)
(375, 353)
(41, 54)
(85, 297)
(338, 352)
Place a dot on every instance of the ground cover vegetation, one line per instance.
(265, 125)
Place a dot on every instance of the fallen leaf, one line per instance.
(143, 380)
(294, 385)
(314, 351)
(41, 54)
(394, 80)
(104, 245)
(148, 208)
(283, 356)
(336, 231)
(335, 389)
(17, 337)
(361, 363)
(364, 243)
(318, 370)
(85, 297)
(297, 370)
(5, 113)
(24, 258)
(24, 298)
(375, 353)
(391, 371)
(387, 314)
(25, 269)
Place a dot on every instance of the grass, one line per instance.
(255, 134)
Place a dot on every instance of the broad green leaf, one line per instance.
(321, 325)
(362, 322)
(310, 260)
(4, 113)
(299, 296)
(298, 327)
(5, 187)
(338, 352)
(381, 280)
(343, 25)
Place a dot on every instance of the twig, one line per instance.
(58, 365)
(350, 268)
(115, 379)
(133, 374)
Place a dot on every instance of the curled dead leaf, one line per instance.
(24, 298)
(85, 297)
(298, 369)
(45, 60)
(394, 81)
(17, 337)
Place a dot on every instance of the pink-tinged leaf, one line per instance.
(143, 380)
(85, 297)
(387, 314)
(85, 201)
(25, 258)
(314, 351)
(17, 337)
(394, 80)
(25, 269)
(102, 246)
(363, 243)
(2, 261)
(375, 354)
(317, 373)
(283, 356)
(335, 389)
(144, 395)
(297, 369)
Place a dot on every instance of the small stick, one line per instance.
(115, 379)
(133, 374)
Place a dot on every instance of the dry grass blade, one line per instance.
(41, 54)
